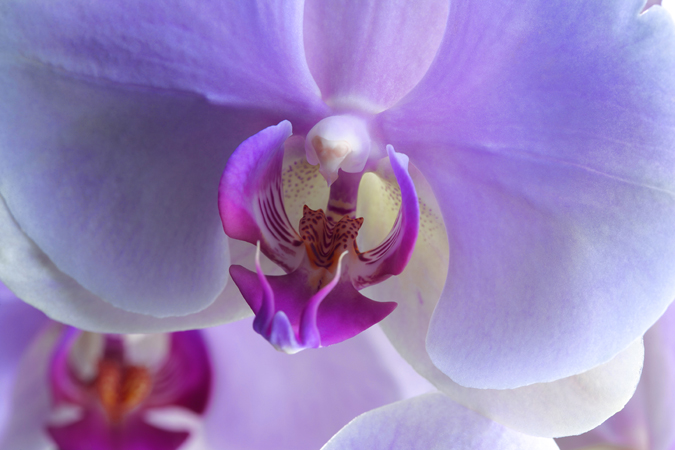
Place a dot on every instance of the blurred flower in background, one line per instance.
(218, 388)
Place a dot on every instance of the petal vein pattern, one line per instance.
(317, 303)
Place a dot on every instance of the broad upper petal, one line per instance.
(118, 187)
(239, 53)
(546, 130)
(370, 54)
(268, 399)
(431, 422)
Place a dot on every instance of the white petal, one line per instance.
(431, 422)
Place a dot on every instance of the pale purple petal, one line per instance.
(243, 53)
(648, 420)
(64, 387)
(30, 402)
(20, 324)
(370, 54)
(264, 399)
(118, 187)
(546, 130)
(431, 422)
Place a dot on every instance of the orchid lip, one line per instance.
(317, 302)
(275, 325)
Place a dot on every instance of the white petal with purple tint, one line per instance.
(30, 398)
(431, 422)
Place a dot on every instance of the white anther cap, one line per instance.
(338, 142)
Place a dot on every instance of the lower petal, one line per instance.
(431, 422)
(568, 406)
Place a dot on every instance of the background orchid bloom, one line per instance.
(256, 398)
(542, 132)
(648, 420)
(219, 388)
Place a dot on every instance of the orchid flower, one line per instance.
(218, 388)
(648, 420)
(526, 147)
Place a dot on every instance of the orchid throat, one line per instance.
(317, 302)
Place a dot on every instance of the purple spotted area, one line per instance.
(110, 402)
(317, 302)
